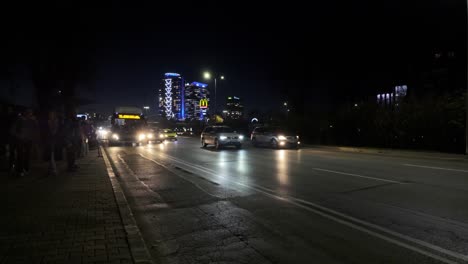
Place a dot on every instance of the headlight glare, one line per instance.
(281, 137)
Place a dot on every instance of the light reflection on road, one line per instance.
(281, 160)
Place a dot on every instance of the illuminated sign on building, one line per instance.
(171, 74)
(199, 84)
(127, 116)
(204, 103)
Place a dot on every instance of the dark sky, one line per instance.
(267, 51)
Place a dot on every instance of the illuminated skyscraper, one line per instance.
(234, 108)
(197, 100)
(171, 97)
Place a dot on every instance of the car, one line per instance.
(275, 137)
(168, 134)
(220, 136)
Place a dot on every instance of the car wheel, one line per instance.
(274, 143)
(203, 144)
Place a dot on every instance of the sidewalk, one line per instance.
(391, 152)
(69, 218)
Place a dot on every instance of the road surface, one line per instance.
(260, 205)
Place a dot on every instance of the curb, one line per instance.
(137, 245)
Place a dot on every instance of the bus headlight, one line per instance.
(115, 136)
(150, 136)
(141, 136)
(161, 135)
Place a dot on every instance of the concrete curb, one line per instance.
(137, 245)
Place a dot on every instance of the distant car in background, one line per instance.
(183, 131)
(168, 134)
(274, 137)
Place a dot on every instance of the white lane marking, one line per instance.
(359, 176)
(435, 168)
(349, 222)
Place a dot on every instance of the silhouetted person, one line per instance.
(10, 122)
(26, 130)
(72, 138)
(51, 140)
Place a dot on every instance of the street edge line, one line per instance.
(136, 242)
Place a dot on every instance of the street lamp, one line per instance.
(207, 76)
(147, 109)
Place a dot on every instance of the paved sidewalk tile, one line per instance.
(68, 218)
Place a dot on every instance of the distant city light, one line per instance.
(171, 74)
(207, 75)
(285, 104)
(222, 77)
(199, 84)
(146, 107)
(355, 105)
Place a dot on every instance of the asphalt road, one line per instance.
(260, 205)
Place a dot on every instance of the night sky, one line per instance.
(319, 53)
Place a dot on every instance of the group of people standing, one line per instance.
(50, 137)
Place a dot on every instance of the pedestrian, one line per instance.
(83, 151)
(10, 122)
(25, 130)
(51, 141)
(72, 138)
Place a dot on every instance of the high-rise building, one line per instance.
(171, 97)
(197, 100)
(234, 108)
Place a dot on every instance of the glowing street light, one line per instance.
(207, 76)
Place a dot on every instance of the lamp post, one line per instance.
(146, 109)
(207, 76)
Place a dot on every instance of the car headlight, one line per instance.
(115, 136)
(141, 136)
(103, 132)
(297, 137)
(222, 137)
(176, 135)
(149, 136)
(161, 135)
(281, 137)
(241, 137)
